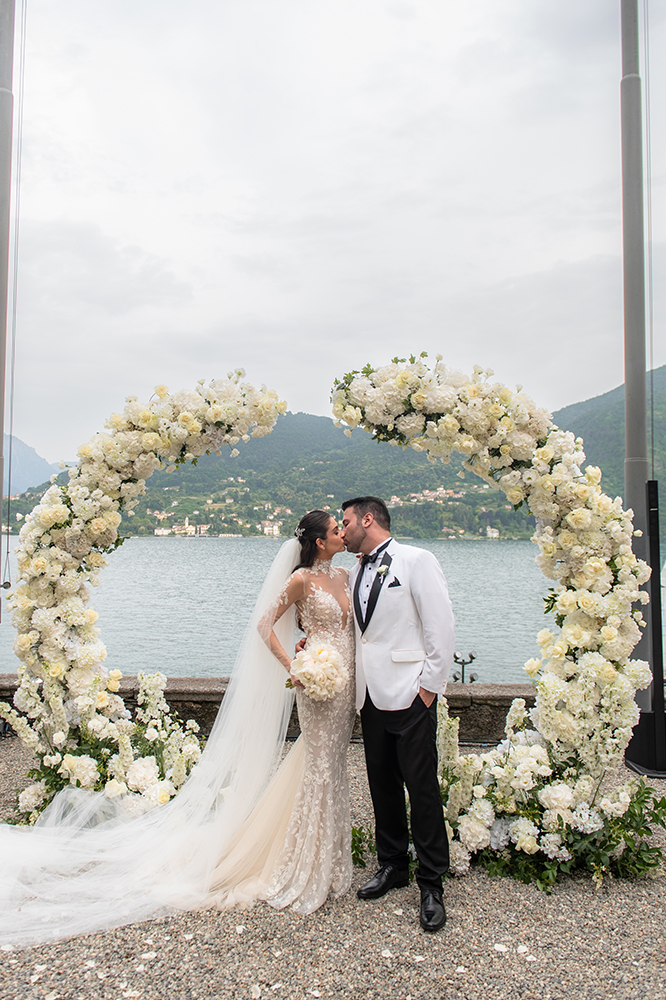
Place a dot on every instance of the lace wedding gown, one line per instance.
(295, 847)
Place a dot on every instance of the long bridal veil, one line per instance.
(87, 865)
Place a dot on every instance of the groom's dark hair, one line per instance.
(371, 505)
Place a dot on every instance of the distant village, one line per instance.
(271, 524)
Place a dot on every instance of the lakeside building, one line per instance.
(184, 529)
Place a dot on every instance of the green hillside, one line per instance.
(307, 462)
(600, 422)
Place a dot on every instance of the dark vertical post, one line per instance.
(656, 627)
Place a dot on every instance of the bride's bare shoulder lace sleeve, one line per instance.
(293, 591)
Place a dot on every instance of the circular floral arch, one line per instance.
(537, 785)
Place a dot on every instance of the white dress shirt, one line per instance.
(368, 578)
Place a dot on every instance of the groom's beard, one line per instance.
(354, 542)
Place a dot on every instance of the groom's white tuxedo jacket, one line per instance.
(407, 639)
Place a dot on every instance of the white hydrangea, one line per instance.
(551, 845)
(482, 810)
(474, 835)
(500, 834)
(81, 770)
(32, 797)
(586, 819)
(143, 773)
(459, 858)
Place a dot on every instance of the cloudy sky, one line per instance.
(301, 186)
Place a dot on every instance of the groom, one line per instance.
(404, 651)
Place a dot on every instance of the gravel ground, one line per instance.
(503, 941)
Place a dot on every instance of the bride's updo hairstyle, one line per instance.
(312, 526)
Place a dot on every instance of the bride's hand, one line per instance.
(295, 681)
(300, 646)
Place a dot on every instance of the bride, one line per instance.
(242, 828)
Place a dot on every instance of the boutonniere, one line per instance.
(382, 571)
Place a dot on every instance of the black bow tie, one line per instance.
(372, 558)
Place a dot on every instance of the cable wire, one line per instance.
(18, 158)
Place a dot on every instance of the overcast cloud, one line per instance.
(301, 186)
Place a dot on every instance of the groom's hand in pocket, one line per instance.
(427, 697)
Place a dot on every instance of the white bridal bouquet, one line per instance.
(320, 670)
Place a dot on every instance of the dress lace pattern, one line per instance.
(313, 857)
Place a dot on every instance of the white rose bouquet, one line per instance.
(320, 670)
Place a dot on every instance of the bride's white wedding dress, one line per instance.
(242, 828)
(295, 847)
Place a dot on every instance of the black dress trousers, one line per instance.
(401, 750)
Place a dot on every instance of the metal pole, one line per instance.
(7, 8)
(636, 470)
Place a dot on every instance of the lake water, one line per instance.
(180, 605)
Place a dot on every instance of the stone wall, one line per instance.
(481, 708)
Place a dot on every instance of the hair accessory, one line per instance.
(299, 532)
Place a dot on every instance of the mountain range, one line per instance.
(27, 467)
(306, 456)
(600, 423)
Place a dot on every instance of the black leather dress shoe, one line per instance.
(433, 914)
(388, 877)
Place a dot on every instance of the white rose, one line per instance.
(557, 796)
(114, 788)
(159, 793)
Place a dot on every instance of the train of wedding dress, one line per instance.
(87, 865)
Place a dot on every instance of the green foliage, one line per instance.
(362, 841)
(523, 867)
(621, 848)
